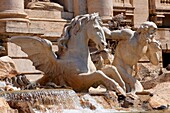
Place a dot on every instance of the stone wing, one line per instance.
(39, 51)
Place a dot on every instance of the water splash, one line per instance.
(55, 101)
(45, 100)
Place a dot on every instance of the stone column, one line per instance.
(80, 7)
(141, 12)
(12, 10)
(68, 5)
(104, 7)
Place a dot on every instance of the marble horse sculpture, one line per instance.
(132, 46)
(72, 65)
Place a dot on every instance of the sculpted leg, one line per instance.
(128, 79)
(100, 78)
(132, 85)
(112, 72)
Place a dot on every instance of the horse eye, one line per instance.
(99, 33)
(96, 28)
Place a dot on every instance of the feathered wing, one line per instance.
(39, 51)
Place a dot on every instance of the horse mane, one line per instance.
(73, 28)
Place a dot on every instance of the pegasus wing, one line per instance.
(39, 51)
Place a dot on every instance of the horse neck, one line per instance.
(78, 45)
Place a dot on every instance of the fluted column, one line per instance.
(12, 10)
(104, 7)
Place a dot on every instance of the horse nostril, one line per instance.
(104, 43)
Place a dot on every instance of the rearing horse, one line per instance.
(72, 66)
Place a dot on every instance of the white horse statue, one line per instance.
(72, 66)
(132, 46)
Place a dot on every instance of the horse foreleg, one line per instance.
(127, 78)
(99, 77)
(112, 72)
(135, 85)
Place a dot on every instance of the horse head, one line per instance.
(95, 31)
(86, 26)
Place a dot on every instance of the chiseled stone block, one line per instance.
(43, 14)
(15, 51)
(25, 66)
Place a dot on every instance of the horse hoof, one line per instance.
(132, 95)
(121, 91)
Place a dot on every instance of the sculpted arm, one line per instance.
(118, 35)
(114, 35)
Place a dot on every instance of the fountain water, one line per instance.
(45, 100)
(59, 101)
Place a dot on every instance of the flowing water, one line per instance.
(57, 101)
(45, 100)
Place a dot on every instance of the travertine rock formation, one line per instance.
(7, 67)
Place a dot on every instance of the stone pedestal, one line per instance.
(12, 10)
(104, 7)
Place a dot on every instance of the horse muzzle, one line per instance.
(102, 45)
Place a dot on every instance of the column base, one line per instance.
(12, 14)
(14, 19)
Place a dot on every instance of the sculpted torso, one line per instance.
(128, 50)
(132, 46)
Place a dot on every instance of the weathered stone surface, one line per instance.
(68, 5)
(161, 95)
(140, 12)
(25, 66)
(80, 7)
(151, 80)
(43, 14)
(13, 27)
(44, 25)
(15, 51)
(105, 8)
(5, 108)
(44, 5)
(7, 67)
(12, 10)
(22, 107)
